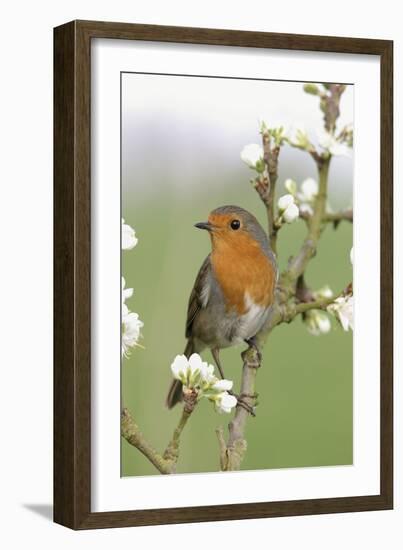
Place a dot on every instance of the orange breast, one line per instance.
(243, 269)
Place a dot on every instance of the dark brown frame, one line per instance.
(72, 268)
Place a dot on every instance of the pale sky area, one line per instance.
(190, 130)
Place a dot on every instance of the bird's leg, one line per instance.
(215, 352)
(252, 343)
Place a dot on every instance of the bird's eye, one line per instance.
(235, 224)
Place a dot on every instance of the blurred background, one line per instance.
(181, 143)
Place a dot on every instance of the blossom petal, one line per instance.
(129, 239)
(285, 201)
(225, 402)
(251, 154)
(291, 186)
(343, 309)
(317, 322)
(223, 385)
(207, 374)
(179, 367)
(291, 213)
(309, 190)
(131, 325)
(195, 362)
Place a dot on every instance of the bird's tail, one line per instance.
(175, 390)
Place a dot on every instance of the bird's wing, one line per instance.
(200, 294)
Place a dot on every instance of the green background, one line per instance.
(304, 416)
(180, 160)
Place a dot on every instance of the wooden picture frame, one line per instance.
(72, 272)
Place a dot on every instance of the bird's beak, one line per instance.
(204, 225)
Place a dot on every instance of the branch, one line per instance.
(297, 265)
(166, 463)
(232, 452)
(329, 104)
(265, 184)
(337, 217)
(172, 451)
(131, 432)
(292, 310)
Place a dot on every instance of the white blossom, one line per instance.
(207, 375)
(179, 367)
(291, 213)
(330, 144)
(317, 322)
(188, 370)
(324, 292)
(288, 210)
(197, 375)
(309, 190)
(223, 385)
(129, 239)
(284, 202)
(343, 309)
(131, 326)
(225, 402)
(126, 293)
(252, 155)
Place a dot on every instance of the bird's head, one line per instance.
(235, 227)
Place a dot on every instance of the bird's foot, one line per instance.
(253, 345)
(252, 357)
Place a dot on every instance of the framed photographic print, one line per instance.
(222, 274)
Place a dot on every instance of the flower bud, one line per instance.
(324, 292)
(311, 88)
(288, 210)
(291, 213)
(252, 155)
(317, 322)
(291, 186)
(284, 202)
(309, 190)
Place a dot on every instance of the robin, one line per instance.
(234, 289)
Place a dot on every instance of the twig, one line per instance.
(166, 463)
(329, 104)
(336, 217)
(291, 311)
(292, 298)
(265, 184)
(297, 265)
(131, 432)
(172, 451)
(232, 452)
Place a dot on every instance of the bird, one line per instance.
(234, 288)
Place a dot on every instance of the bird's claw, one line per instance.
(252, 345)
